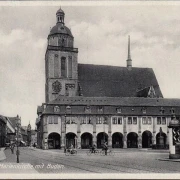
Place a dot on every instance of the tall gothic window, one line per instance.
(114, 120)
(63, 67)
(129, 120)
(50, 119)
(158, 120)
(70, 66)
(55, 119)
(56, 66)
(134, 120)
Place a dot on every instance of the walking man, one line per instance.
(12, 148)
(105, 148)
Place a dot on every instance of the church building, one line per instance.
(88, 104)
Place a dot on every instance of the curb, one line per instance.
(171, 160)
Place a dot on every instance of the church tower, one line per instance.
(61, 61)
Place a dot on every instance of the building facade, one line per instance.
(3, 125)
(29, 135)
(33, 138)
(19, 130)
(92, 104)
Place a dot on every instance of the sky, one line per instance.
(101, 35)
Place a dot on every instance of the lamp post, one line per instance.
(65, 133)
(17, 152)
(104, 129)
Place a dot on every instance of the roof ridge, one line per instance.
(114, 66)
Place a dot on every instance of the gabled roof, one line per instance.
(14, 121)
(24, 127)
(113, 81)
(144, 92)
(3, 118)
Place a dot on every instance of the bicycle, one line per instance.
(91, 152)
(71, 152)
(109, 152)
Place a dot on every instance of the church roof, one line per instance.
(60, 28)
(60, 11)
(113, 81)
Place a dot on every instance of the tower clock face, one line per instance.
(56, 86)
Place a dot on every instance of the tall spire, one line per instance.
(129, 60)
(129, 50)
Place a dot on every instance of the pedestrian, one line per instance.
(12, 148)
(93, 148)
(105, 148)
(71, 148)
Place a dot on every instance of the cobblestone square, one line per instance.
(123, 161)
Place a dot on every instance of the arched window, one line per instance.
(56, 66)
(70, 66)
(63, 42)
(63, 67)
(59, 42)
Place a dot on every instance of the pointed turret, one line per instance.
(129, 60)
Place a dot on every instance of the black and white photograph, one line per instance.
(90, 89)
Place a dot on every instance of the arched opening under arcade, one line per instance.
(86, 140)
(161, 140)
(54, 140)
(71, 139)
(132, 140)
(146, 139)
(117, 140)
(101, 138)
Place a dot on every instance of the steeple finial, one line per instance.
(129, 60)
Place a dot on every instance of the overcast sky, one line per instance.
(100, 33)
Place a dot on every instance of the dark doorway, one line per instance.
(54, 141)
(101, 138)
(161, 140)
(71, 140)
(117, 140)
(86, 140)
(132, 140)
(146, 139)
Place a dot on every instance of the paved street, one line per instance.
(124, 161)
